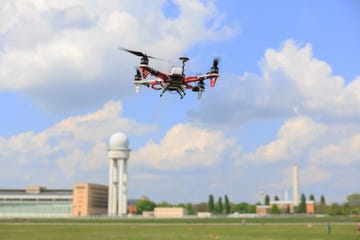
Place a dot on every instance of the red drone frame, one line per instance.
(175, 80)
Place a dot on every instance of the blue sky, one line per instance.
(289, 91)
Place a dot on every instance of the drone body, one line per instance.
(175, 80)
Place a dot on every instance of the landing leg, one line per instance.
(164, 90)
(179, 92)
(183, 91)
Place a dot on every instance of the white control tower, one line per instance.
(118, 154)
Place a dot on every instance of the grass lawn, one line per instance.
(196, 231)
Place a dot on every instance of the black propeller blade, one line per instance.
(137, 53)
(216, 62)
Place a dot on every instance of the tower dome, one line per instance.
(119, 140)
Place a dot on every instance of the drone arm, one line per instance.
(191, 79)
(213, 81)
(148, 70)
(212, 76)
(148, 83)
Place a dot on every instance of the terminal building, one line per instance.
(36, 201)
(89, 199)
(84, 200)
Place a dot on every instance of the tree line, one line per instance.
(350, 207)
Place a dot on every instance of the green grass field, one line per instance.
(88, 230)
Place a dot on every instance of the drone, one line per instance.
(175, 80)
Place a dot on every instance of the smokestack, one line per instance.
(295, 185)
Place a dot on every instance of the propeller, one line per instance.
(215, 68)
(216, 62)
(137, 53)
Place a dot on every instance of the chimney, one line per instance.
(295, 185)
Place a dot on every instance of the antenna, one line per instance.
(183, 59)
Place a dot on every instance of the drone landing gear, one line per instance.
(179, 90)
(181, 96)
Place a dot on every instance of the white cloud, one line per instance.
(75, 145)
(321, 149)
(319, 90)
(70, 47)
(291, 78)
(80, 160)
(313, 174)
(184, 147)
(343, 151)
(294, 136)
(303, 139)
(69, 164)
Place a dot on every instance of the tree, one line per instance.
(251, 208)
(219, 206)
(322, 199)
(245, 207)
(211, 203)
(164, 204)
(302, 205)
(201, 207)
(353, 201)
(276, 198)
(275, 209)
(189, 209)
(345, 209)
(321, 208)
(144, 205)
(242, 207)
(287, 210)
(334, 209)
(227, 204)
(267, 200)
(232, 207)
(312, 198)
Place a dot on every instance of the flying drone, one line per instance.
(175, 80)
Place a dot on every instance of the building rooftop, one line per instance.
(35, 191)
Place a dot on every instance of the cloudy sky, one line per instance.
(289, 92)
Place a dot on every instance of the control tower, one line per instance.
(118, 154)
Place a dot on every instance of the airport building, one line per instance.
(165, 212)
(169, 212)
(84, 200)
(89, 199)
(36, 201)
